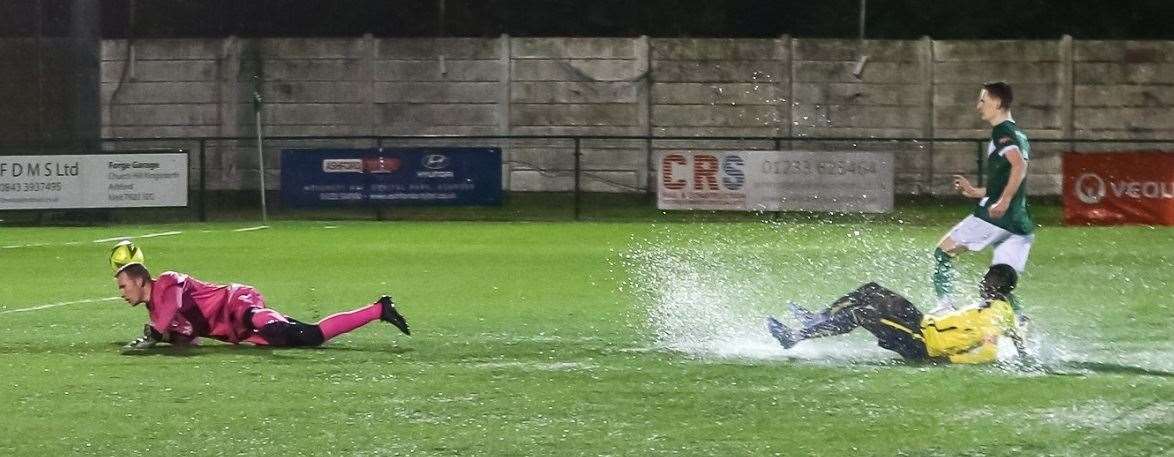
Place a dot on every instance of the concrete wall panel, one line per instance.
(717, 116)
(761, 71)
(315, 114)
(435, 115)
(996, 51)
(436, 70)
(612, 159)
(572, 48)
(574, 92)
(718, 94)
(174, 115)
(574, 115)
(314, 91)
(857, 93)
(1011, 72)
(430, 49)
(841, 71)
(636, 86)
(318, 48)
(1120, 95)
(850, 50)
(313, 70)
(716, 49)
(575, 70)
(159, 71)
(435, 92)
(163, 49)
(161, 92)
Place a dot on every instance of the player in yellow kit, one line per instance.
(967, 335)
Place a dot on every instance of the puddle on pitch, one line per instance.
(704, 291)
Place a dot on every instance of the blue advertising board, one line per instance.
(391, 177)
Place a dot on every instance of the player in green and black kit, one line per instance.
(1001, 219)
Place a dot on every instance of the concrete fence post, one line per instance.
(223, 154)
(228, 95)
(503, 87)
(786, 102)
(792, 103)
(643, 53)
(371, 54)
(1067, 87)
(505, 79)
(926, 55)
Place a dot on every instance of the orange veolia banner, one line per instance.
(1119, 188)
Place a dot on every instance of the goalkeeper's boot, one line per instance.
(391, 315)
(781, 333)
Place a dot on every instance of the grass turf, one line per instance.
(534, 339)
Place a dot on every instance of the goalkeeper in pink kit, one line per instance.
(183, 308)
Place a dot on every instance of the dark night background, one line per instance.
(893, 19)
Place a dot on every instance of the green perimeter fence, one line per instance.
(544, 177)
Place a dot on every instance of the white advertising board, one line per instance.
(828, 181)
(94, 181)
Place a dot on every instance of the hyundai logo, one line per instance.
(1090, 188)
(435, 161)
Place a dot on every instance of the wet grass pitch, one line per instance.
(551, 338)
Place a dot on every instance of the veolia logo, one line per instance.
(1090, 188)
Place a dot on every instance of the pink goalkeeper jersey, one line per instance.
(190, 307)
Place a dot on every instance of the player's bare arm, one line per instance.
(963, 186)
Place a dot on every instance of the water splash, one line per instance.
(705, 290)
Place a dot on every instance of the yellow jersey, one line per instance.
(971, 334)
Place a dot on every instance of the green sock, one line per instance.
(943, 273)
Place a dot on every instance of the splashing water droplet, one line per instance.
(709, 298)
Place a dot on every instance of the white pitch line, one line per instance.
(153, 235)
(117, 238)
(54, 305)
(122, 237)
(30, 245)
(149, 235)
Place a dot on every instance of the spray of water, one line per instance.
(705, 290)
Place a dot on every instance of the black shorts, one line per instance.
(293, 333)
(894, 321)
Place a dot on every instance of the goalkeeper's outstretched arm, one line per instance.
(149, 339)
(152, 337)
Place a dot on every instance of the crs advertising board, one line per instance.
(391, 176)
(1119, 188)
(776, 181)
(124, 180)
